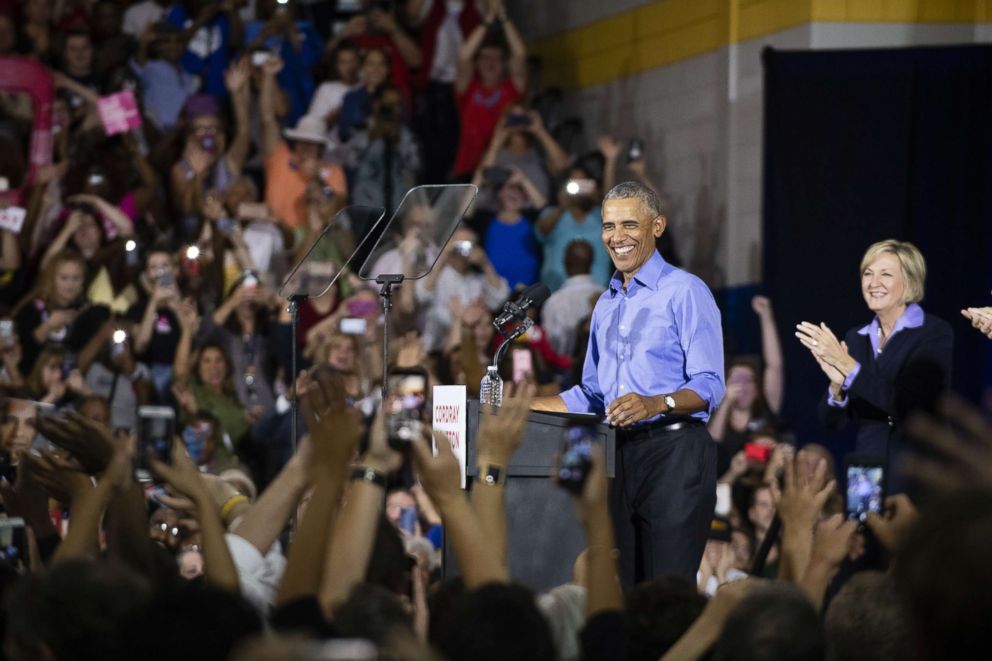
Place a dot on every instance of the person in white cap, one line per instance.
(296, 174)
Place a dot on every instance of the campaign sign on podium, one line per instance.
(449, 419)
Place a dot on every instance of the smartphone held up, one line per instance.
(405, 407)
(156, 436)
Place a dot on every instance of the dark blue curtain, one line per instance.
(867, 145)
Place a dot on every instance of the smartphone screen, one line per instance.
(14, 543)
(523, 365)
(576, 457)
(405, 404)
(156, 434)
(865, 490)
(757, 452)
(353, 325)
(408, 520)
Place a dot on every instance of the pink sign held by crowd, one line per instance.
(119, 112)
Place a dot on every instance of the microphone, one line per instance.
(535, 295)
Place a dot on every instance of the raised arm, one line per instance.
(218, 565)
(799, 508)
(499, 437)
(548, 220)
(267, 106)
(830, 545)
(356, 526)
(771, 353)
(466, 59)
(518, 51)
(610, 148)
(557, 157)
(61, 239)
(236, 78)
(189, 322)
(441, 478)
(603, 592)
(408, 48)
(334, 434)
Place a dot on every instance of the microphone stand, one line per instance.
(295, 300)
(524, 326)
(386, 284)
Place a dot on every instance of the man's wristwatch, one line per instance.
(670, 403)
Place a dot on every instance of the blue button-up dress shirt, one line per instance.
(659, 335)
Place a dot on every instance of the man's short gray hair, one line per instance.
(636, 189)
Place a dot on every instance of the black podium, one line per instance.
(544, 536)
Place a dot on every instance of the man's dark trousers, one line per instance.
(662, 501)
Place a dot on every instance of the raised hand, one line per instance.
(439, 474)
(87, 441)
(832, 540)
(500, 434)
(183, 475)
(891, 529)
(761, 305)
(609, 147)
(960, 456)
(59, 477)
(803, 498)
(335, 427)
(380, 456)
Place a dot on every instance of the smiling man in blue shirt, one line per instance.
(654, 368)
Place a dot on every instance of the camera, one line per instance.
(464, 248)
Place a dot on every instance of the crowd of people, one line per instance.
(143, 268)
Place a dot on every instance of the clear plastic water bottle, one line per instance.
(491, 391)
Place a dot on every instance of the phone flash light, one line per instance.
(119, 336)
(572, 188)
(131, 245)
(192, 252)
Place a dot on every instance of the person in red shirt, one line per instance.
(487, 83)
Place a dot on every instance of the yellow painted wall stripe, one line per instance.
(668, 31)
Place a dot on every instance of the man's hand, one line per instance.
(500, 434)
(631, 408)
(892, 528)
(439, 475)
